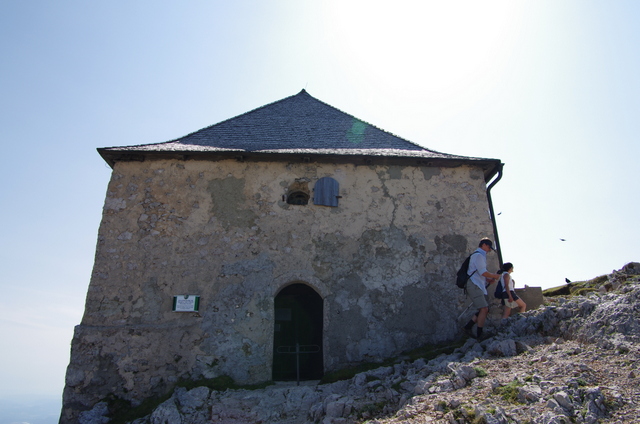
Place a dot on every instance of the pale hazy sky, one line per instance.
(550, 88)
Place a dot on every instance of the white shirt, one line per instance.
(508, 286)
(478, 263)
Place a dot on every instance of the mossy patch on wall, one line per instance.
(430, 172)
(227, 198)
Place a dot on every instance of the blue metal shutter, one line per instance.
(326, 192)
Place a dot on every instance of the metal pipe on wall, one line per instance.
(492, 213)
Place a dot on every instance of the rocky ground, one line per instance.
(572, 361)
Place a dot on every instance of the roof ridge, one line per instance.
(302, 92)
(299, 121)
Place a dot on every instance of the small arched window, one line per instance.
(326, 192)
(298, 198)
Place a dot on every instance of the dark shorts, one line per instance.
(505, 296)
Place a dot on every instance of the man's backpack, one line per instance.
(462, 276)
(499, 290)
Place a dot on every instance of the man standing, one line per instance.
(477, 285)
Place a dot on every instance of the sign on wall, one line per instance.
(186, 303)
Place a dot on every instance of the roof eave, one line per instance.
(490, 167)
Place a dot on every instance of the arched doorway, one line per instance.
(297, 340)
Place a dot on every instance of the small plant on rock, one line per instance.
(510, 391)
(442, 406)
(398, 386)
(473, 418)
(370, 378)
(372, 409)
(480, 372)
(457, 414)
(623, 350)
(479, 420)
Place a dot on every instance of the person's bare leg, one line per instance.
(507, 312)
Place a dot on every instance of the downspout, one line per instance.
(492, 213)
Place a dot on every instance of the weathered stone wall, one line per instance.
(383, 262)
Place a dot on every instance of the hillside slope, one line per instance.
(574, 360)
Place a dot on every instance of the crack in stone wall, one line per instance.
(383, 261)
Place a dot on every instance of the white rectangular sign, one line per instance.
(186, 303)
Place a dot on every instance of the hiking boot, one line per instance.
(485, 335)
(468, 332)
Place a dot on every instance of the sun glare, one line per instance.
(413, 47)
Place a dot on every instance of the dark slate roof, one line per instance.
(295, 125)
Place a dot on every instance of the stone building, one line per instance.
(294, 224)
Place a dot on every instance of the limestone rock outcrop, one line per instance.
(574, 360)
